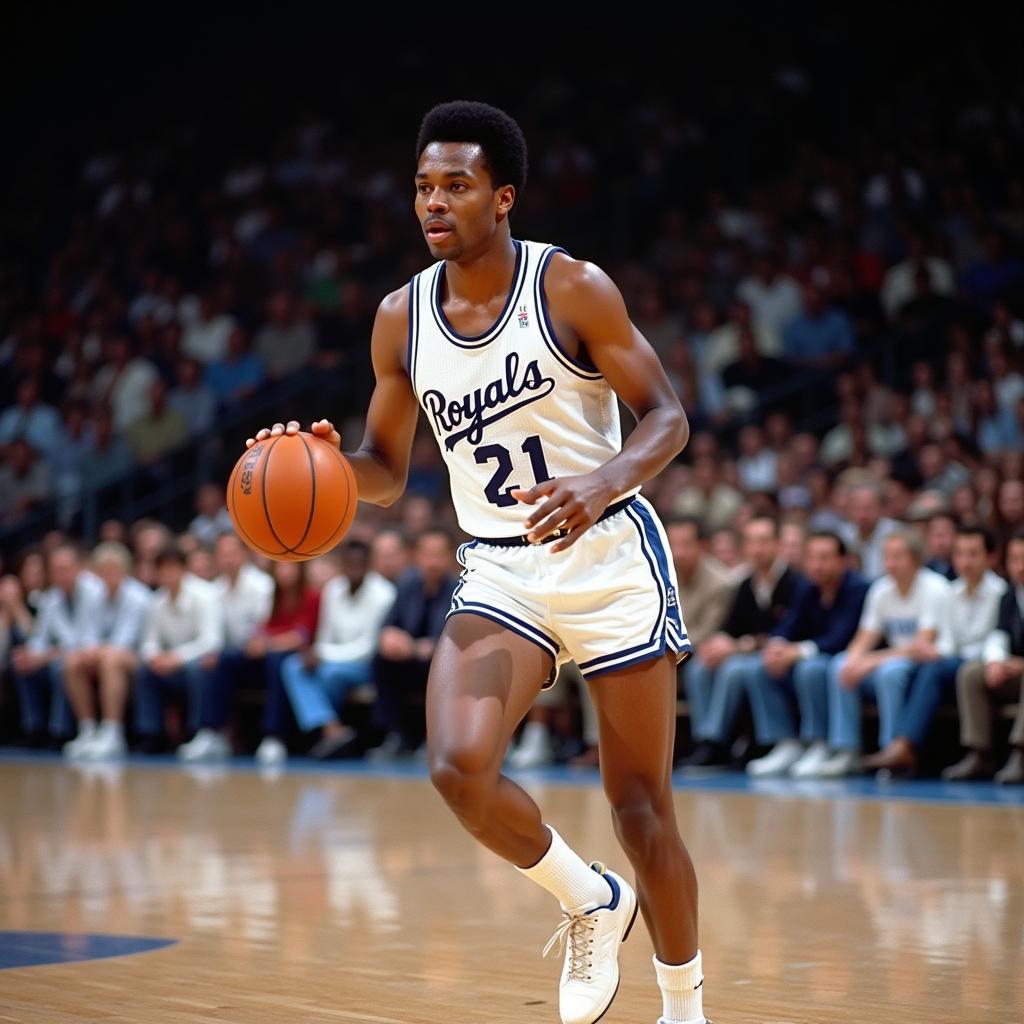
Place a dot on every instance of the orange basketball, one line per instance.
(292, 497)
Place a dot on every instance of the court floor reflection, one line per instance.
(333, 897)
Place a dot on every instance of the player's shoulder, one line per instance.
(572, 280)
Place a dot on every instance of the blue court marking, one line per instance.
(32, 949)
(704, 780)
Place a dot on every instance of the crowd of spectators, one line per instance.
(841, 314)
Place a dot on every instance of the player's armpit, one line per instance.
(381, 463)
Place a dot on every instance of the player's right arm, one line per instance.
(381, 462)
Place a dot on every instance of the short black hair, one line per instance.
(499, 137)
(437, 530)
(355, 546)
(761, 517)
(977, 530)
(831, 535)
(170, 553)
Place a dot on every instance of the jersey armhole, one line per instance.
(582, 368)
(412, 331)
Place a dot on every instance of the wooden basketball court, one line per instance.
(351, 897)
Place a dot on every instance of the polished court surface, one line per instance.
(352, 897)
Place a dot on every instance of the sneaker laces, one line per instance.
(579, 928)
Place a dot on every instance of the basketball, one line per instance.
(292, 497)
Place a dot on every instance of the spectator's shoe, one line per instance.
(839, 765)
(705, 755)
(809, 765)
(1012, 773)
(975, 765)
(892, 761)
(534, 749)
(392, 749)
(206, 745)
(271, 751)
(590, 973)
(107, 745)
(330, 748)
(77, 747)
(782, 757)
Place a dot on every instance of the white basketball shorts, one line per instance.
(608, 601)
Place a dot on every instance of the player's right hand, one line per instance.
(321, 428)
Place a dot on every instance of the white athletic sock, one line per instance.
(681, 991)
(568, 877)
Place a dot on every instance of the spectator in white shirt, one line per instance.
(206, 339)
(183, 634)
(108, 657)
(245, 595)
(774, 298)
(973, 609)
(212, 518)
(352, 608)
(905, 609)
(64, 624)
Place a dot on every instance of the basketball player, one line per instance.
(515, 352)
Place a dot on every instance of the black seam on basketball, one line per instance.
(312, 495)
(263, 495)
(347, 470)
(238, 525)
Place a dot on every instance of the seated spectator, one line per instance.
(939, 541)
(794, 663)
(706, 587)
(31, 420)
(723, 344)
(160, 431)
(67, 612)
(192, 398)
(752, 377)
(713, 678)
(107, 657)
(77, 447)
(238, 375)
(867, 529)
(287, 342)
(904, 609)
(996, 678)
(774, 297)
(757, 462)
(290, 628)
(148, 540)
(792, 543)
(25, 483)
(390, 554)
(20, 597)
(124, 384)
(180, 643)
(317, 679)
(245, 596)
(212, 518)
(821, 336)
(974, 600)
(408, 637)
(205, 339)
(708, 497)
(110, 456)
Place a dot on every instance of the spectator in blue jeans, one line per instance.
(317, 679)
(180, 643)
(795, 660)
(714, 678)
(905, 609)
(973, 611)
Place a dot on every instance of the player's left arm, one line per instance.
(584, 298)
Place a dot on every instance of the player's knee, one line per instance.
(463, 777)
(640, 816)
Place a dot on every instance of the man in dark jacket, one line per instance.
(407, 641)
(794, 662)
(714, 677)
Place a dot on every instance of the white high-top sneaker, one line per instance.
(809, 766)
(206, 745)
(534, 749)
(77, 747)
(271, 751)
(107, 744)
(590, 973)
(778, 760)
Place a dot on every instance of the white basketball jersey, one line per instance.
(509, 407)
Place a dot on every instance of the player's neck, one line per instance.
(480, 279)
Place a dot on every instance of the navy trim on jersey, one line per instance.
(524, 629)
(479, 340)
(576, 366)
(412, 343)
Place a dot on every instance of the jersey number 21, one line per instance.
(497, 452)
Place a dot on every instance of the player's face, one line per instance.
(454, 189)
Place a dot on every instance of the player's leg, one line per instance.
(483, 680)
(636, 708)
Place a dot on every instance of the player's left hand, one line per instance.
(573, 501)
